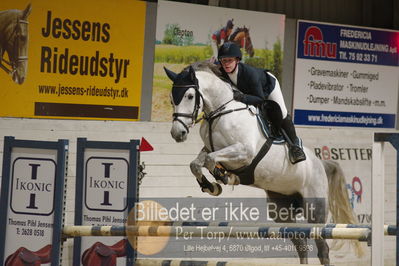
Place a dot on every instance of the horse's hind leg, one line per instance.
(279, 202)
(316, 212)
(322, 251)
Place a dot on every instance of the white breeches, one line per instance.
(277, 96)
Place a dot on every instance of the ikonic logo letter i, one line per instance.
(33, 183)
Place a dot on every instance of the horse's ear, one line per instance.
(27, 11)
(172, 75)
(192, 73)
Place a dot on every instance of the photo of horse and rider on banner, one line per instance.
(190, 37)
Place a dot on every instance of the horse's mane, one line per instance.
(234, 34)
(7, 16)
(11, 12)
(207, 67)
(236, 31)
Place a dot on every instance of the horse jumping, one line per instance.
(241, 37)
(14, 41)
(232, 137)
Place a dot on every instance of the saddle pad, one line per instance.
(265, 127)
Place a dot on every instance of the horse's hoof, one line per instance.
(217, 189)
(223, 180)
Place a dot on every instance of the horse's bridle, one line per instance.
(13, 63)
(197, 105)
(218, 112)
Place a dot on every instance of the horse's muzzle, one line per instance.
(178, 132)
(179, 136)
(17, 79)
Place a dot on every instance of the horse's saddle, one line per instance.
(269, 131)
(104, 251)
(28, 256)
(24, 256)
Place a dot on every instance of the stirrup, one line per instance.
(296, 154)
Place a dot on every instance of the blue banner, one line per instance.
(344, 119)
(347, 44)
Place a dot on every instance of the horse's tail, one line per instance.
(338, 198)
(338, 201)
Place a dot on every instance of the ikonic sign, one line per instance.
(105, 192)
(33, 186)
(106, 183)
(32, 200)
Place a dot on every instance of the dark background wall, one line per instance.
(370, 13)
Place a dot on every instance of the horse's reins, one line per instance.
(218, 112)
(13, 64)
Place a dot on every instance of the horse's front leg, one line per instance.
(213, 188)
(237, 154)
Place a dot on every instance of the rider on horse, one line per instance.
(221, 36)
(256, 85)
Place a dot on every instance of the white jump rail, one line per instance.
(377, 203)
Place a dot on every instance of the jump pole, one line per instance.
(160, 262)
(361, 234)
(377, 203)
(388, 229)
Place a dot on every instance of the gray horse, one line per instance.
(232, 138)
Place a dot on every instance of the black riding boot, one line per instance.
(294, 144)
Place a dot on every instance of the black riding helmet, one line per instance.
(229, 24)
(229, 49)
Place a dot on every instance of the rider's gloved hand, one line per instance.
(238, 95)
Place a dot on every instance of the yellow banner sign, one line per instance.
(71, 59)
